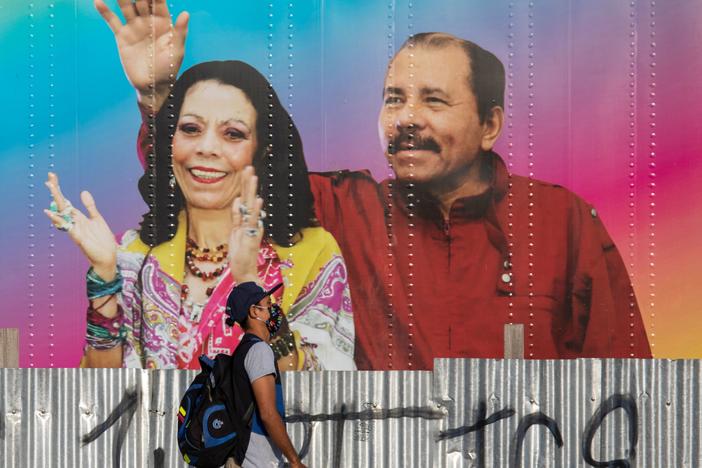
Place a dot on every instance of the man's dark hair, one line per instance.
(487, 74)
(244, 323)
(279, 160)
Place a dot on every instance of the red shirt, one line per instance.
(423, 287)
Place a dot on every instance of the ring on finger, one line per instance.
(244, 210)
(65, 226)
(66, 213)
(251, 232)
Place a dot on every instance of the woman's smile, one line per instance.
(207, 175)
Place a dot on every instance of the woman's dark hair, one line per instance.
(279, 159)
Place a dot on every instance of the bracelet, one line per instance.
(98, 287)
(101, 338)
(109, 298)
(103, 332)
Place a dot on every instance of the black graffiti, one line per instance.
(617, 401)
(126, 407)
(482, 421)
(525, 423)
(339, 436)
(614, 402)
(306, 441)
(342, 415)
(421, 412)
(159, 458)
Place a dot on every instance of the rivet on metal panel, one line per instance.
(411, 195)
(390, 266)
(51, 287)
(632, 115)
(510, 154)
(652, 175)
(531, 157)
(31, 268)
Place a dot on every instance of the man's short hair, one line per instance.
(244, 323)
(487, 73)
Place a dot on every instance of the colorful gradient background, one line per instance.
(613, 82)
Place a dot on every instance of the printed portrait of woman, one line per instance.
(228, 198)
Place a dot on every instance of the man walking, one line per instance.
(257, 379)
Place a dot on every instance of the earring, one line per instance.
(172, 182)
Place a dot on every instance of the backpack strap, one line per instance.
(240, 353)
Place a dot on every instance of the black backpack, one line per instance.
(214, 422)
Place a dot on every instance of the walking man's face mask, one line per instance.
(275, 318)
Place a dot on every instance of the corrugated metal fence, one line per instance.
(480, 413)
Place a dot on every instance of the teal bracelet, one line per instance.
(99, 337)
(97, 331)
(98, 287)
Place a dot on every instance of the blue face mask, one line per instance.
(275, 320)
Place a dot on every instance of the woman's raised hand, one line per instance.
(91, 233)
(150, 46)
(247, 230)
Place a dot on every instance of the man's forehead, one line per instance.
(427, 68)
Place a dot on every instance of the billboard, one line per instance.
(567, 205)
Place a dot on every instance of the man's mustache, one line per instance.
(412, 141)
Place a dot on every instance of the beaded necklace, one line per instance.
(193, 252)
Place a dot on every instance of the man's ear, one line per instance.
(492, 127)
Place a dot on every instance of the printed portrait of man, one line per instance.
(454, 247)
